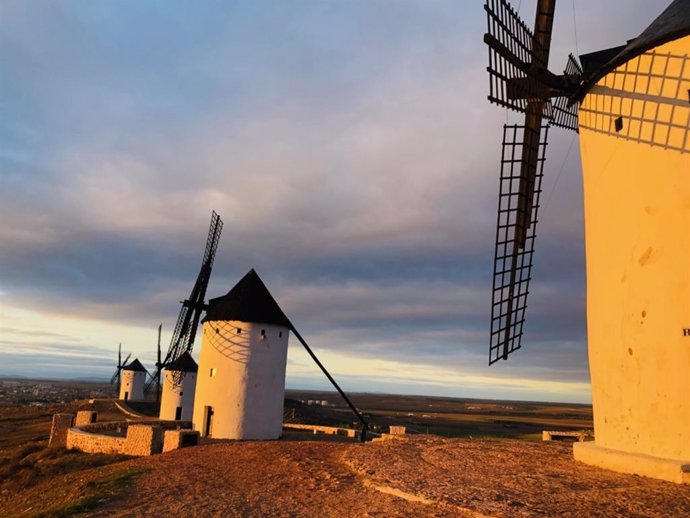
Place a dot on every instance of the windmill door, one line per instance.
(126, 396)
(208, 421)
(178, 413)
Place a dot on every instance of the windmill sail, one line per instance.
(515, 236)
(188, 320)
(564, 110)
(118, 371)
(519, 79)
(518, 64)
(517, 58)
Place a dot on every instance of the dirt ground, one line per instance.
(416, 476)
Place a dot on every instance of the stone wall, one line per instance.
(85, 417)
(59, 429)
(175, 439)
(143, 437)
(94, 443)
(328, 430)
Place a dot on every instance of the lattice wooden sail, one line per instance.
(519, 79)
(188, 320)
(118, 370)
(514, 252)
(518, 64)
(514, 54)
(564, 112)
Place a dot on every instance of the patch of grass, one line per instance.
(26, 466)
(95, 493)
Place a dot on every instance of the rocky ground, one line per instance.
(416, 476)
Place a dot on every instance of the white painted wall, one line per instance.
(174, 395)
(133, 383)
(247, 384)
(637, 216)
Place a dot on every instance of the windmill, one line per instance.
(631, 107)
(188, 320)
(120, 364)
(519, 80)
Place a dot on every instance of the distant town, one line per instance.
(38, 392)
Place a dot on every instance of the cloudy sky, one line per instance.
(348, 147)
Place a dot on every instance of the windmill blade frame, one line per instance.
(118, 371)
(565, 111)
(519, 79)
(188, 319)
(513, 255)
(517, 58)
(518, 63)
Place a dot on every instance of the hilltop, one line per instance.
(482, 466)
(416, 476)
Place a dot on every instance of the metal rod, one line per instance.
(365, 425)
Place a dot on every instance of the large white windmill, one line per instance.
(634, 126)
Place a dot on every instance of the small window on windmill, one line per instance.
(213, 372)
(181, 394)
(239, 330)
(618, 124)
(263, 334)
(280, 334)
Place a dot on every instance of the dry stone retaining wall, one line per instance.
(94, 443)
(60, 429)
(85, 417)
(143, 440)
(142, 437)
(175, 439)
(328, 430)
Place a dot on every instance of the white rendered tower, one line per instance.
(179, 385)
(241, 379)
(133, 380)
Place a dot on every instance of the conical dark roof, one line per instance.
(671, 24)
(134, 365)
(248, 301)
(184, 363)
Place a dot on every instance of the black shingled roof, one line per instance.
(134, 365)
(248, 301)
(184, 363)
(672, 24)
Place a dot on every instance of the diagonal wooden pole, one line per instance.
(365, 425)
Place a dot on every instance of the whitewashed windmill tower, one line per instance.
(241, 382)
(132, 381)
(179, 386)
(635, 148)
(634, 125)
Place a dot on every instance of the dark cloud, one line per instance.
(347, 146)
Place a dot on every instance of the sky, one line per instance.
(348, 147)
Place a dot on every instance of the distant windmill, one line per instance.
(117, 375)
(188, 320)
